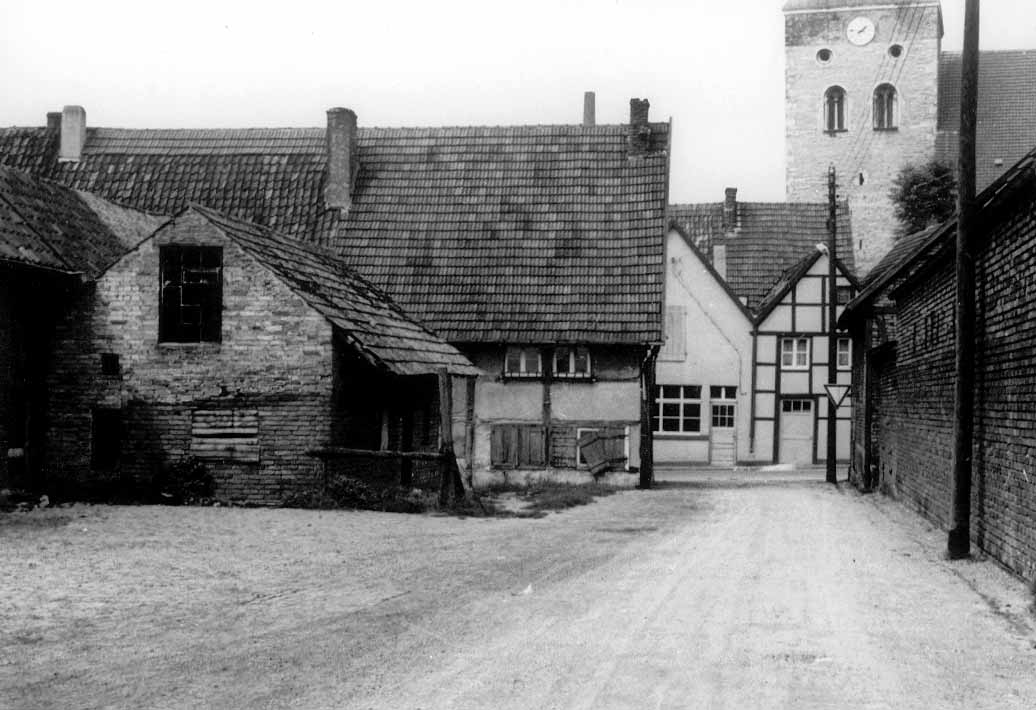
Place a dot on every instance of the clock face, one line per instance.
(860, 30)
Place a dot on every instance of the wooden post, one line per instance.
(647, 402)
(469, 414)
(448, 463)
(832, 334)
(548, 414)
(959, 540)
(406, 443)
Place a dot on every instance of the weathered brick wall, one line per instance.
(275, 357)
(877, 155)
(1004, 484)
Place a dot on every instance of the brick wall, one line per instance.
(917, 464)
(275, 358)
(877, 155)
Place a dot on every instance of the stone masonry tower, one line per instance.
(861, 92)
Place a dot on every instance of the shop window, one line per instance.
(677, 409)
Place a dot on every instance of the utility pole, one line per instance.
(959, 541)
(832, 336)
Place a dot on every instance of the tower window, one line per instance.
(824, 56)
(834, 109)
(885, 108)
(895, 50)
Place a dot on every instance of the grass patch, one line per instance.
(537, 499)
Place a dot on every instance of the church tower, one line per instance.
(861, 93)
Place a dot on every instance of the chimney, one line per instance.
(640, 130)
(730, 210)
(73, 133)
(719, 260)
(342, 160)
(589, 109)
(53, 121)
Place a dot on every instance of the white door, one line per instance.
(797, 425)
(721, 437)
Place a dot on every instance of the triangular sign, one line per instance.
(837, 393)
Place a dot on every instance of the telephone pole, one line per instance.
(832, 309)
(959, 541)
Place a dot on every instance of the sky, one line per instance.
(716, 68)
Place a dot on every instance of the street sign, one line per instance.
(837, 393)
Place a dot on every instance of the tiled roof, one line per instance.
(46, 224)
(768, 238)
(1006, 128)
(368, 319)
(530, 233)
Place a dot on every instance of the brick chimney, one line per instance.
(640, 130)
(73, 133)
(342, 159)
(53, 121)
(730, 210)
(589, 109)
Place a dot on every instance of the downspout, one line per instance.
(751, 403)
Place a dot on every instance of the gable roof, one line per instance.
(486, 234)
(676, 227)
(791, 277)
(766, 240)
(375, 326)
(44, 224)
(1006, 127)
(909, 253)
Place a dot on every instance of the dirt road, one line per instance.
(716, 595)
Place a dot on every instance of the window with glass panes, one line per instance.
(795, 353)
(571, 362)
(523, 362)
(844, 353)
(677, 409)
(721, 398)
(191, 295)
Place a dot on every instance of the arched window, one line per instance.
(885, 107)
(834, 109)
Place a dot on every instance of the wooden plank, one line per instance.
(345, 451)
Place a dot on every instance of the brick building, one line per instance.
(536, 250)
(870, 90)
(205, 336)
(903, 324)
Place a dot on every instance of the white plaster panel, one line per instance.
(600, 400)
(764, 377)
(681, 451)
(794, 382)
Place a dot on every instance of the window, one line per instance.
(677, 409)
(523, 362)
(675, 345)
(843, 294)
(795, 353)
(722, 400)
(110, 364)
(845, 357)
(572, 362)
(191, 298)
(885, 108)
(106, 438)
(834, 109)
(796, 405)
(518, 446)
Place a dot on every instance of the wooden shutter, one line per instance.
(675, 347)
(532, 450)
(225, 434)
(502, 448)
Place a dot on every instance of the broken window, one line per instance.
(191, 299)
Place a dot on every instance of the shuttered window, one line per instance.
(518, 446)
(225, 434)
(675, 346)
